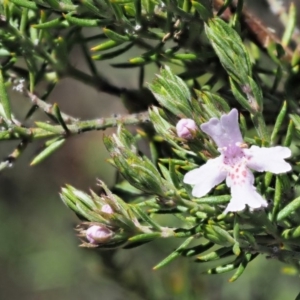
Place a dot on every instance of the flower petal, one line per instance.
(242, 195)
(225, 131)
(206, 177)
(243, 176)
(186, 128)
(268, 159)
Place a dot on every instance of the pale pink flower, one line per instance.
(98, 234)
(185, 128)
(234, 164)
(107, 209)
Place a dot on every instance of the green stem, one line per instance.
(17, 132)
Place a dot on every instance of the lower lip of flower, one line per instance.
(235, 164)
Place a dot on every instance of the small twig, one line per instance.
(10, 159)
(46, 107)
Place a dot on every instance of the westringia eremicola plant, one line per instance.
(223, 106)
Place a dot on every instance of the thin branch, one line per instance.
(46, 107)
(45, 130)
(11, 158)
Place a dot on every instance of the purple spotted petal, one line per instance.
(242, 195)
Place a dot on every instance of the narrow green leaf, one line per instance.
(279, 121)
(84, 198)
(174, 175)
(268, 179)
(116, 36)
(260, 126)
(47, 152)
(186, 6)
(53, 3)
(165, 172)
(236, 235)
(226, 4)
(4, 98)
(289, 209)
(121, 1)
(225, 268)
(143, 60)
(197, 249)
(146, 218)
(112, 54)
(25, 3)
(49, 127)
(243, 124)
(59, 118)
(102, 10)
(145, 237)
(277, 197)
(296, 121)
(246, 259)
(289, 26)
(58, 22)
(51, 141)
(138, 11)
(4, 52)
(68, 202)
(118, 12)
(186, 56)
(218, 235)
(289, 134)
(213, 199)
(87, 213)
(106, 45)
(84, 22)
(278, 76)
(215, 102)
(236, 249)
(292, 233)
(248, 237)
(174, 254)
(203, 11)
(218, 254)
(130, 12)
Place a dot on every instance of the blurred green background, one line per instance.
(39, 253)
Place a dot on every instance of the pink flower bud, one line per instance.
(185, 128)
(98, 234)
(107, 209)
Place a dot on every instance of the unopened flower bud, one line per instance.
(185, 128)
(107, 209)
(98, 234)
